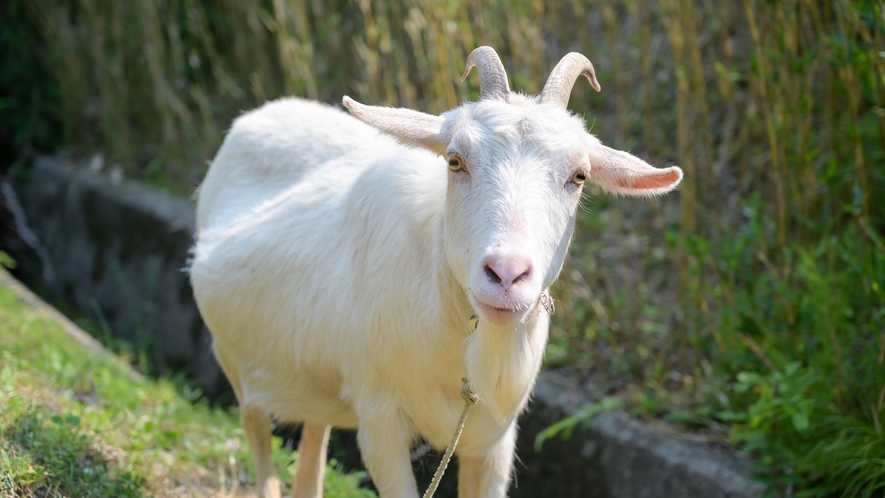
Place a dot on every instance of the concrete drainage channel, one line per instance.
(117, 254)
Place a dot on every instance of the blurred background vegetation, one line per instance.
(749, 308)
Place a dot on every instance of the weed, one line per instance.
(565, 427)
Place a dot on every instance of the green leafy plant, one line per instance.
(776, 421)
(565, 427)
(6, 261)
(802, 340)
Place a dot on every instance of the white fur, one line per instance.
(338, 270)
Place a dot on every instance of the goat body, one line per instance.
(339, 269)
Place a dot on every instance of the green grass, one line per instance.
(74, 422)
(799, 339)
(780, 351)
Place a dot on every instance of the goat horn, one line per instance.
(492, 77)
(562, 79)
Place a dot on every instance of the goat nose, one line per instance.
(507, 270)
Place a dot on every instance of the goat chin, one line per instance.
(502, 364)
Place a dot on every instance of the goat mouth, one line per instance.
(508, 310)
(500, 315)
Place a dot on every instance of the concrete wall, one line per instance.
(616, 456)
(118, 254)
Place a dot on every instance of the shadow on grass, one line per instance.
(45, 455)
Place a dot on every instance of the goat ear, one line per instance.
(619, 172)
(407, 126)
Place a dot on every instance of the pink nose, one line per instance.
(507, 270)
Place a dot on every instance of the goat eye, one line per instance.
(579, 177)
(456, 163)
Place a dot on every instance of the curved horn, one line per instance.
(562, 79)
(492, 77)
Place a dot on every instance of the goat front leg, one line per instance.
(311, 469)
(257, 426)
(384, 436)
(488, 474)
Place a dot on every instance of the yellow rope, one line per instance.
(470, 399)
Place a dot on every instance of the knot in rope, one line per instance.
(470, 398)
(467, 394)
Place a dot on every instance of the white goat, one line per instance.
(339, 268)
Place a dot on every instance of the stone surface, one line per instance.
(118, 254)
(617, 456)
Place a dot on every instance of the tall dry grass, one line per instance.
(749, 96)
(159, 80)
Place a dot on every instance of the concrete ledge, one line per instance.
(118, 253)
(618, 456)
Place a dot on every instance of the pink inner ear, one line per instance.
(654, 180)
